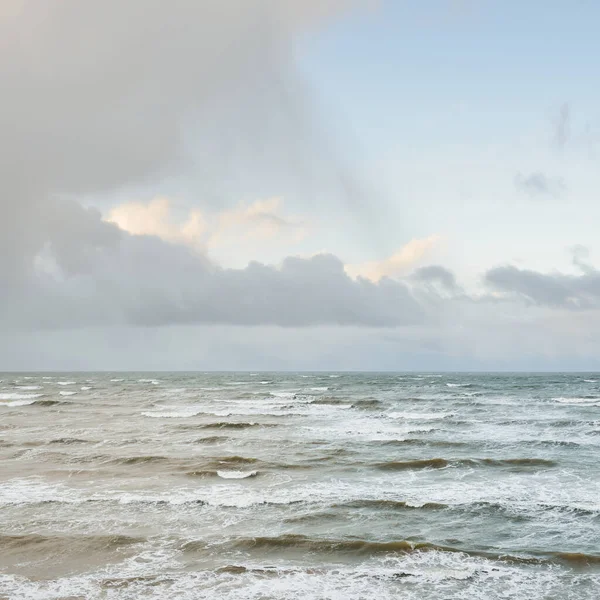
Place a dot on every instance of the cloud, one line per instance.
(436, 274)
(155, 218)
(234, 233)
(556, 290)
(102, 96)
(562, 126)
(400, 263)
(538, 184)
(260, 220)
(143, 280)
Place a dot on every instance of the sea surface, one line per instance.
(260, 486)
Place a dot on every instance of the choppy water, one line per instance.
(293, 486)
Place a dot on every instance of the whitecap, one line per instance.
(85, 388)
(283, 394)
(17, 403)
(236, 474)
(319, 389)
(578, 401)
(66, 382)
(175, 414)
(418, 416)
(15, 396)
(67, 393)
(116, 380)
(28, 387)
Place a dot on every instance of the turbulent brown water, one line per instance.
(293, 486)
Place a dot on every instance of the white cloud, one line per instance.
(398, 264)
(237, 233)
(155, 218)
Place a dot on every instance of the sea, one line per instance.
(332, 486)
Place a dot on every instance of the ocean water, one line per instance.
(259, 486)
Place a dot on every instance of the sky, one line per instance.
(299, 185)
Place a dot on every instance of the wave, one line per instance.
(66, 382)
(49, 402)
(17, 396)
(577, 400)
(423, 442)
(459, 385)
(418, 416)
(330, 401)
(430, 463)
(69, 441)
(139, 460)
(362, 547)
(173, 414)
(308, 544)
(28, 387)
(577, 558)
(391, 505)
(236, 474)
(235, 425)
(67, 393)
(57, 544)
(440, 463)
(211, 439)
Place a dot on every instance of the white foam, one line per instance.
(17, 403)
(236, 474)
(283, 394)
(152, 381)
(28, 387)
(590, 380)
(418, 416)
(175, 414)
(319, 389)
(156, 574)
(66, 382)
(13, 396)
(67, 393)
(580, 401)
(116, 380)
(85, 388)
(34, 490)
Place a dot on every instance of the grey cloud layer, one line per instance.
(554, 290)
(97, 96)
(92, 273)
